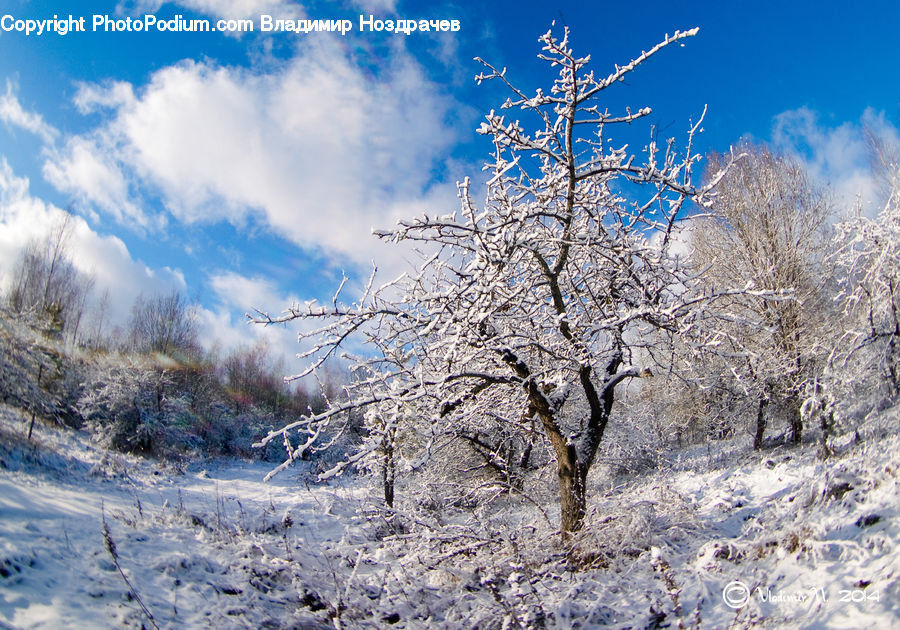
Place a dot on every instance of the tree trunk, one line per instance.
(827, 429)
(525, 459)
(796, 420)
(388, 469)
(572, 491)
(387, 480)
(572, 469)
(760, 422)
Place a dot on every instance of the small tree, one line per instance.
(767, 226)
(45, 280)
(164, 324)
(536, 306)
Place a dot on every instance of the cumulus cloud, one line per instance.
(245, 293)
(12, 113)
(85, 170)
(24, 218)
(840, 156)
(245, 8)
(377, 7)
(219, 326)
(319, 148)
(92, 98)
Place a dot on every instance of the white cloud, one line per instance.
(245, 8)
(839, 156)
(319, 148)
(12, 113)
(81, 169)
(220, 326)
(378, 7)
(106, 258)
(91, 97)
(24, 218)
(246, 294)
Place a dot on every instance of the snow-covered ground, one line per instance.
(716, 537)
(196, 546)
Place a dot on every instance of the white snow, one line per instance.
(812, 543)
(197, 546)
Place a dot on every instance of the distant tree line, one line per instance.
(150, 387)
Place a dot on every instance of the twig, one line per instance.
(111, 548)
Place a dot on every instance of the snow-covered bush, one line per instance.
(133, 403)
(126, 404)
(36, 374)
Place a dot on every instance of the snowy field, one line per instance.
(798, 542)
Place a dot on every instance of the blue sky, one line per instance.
(247, 171)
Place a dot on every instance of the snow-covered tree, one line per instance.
(46, 282)
(767, 226)
(165, 324)
(253, 378)
(869, 259)
(533, 308)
